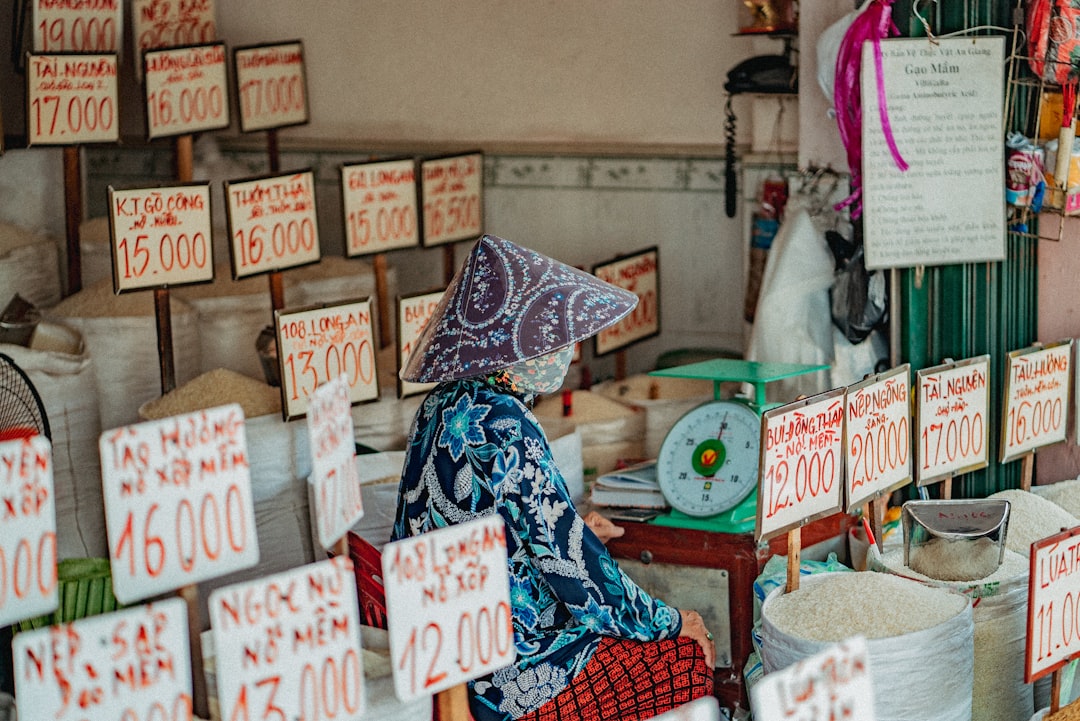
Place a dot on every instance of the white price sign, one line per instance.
(178, 504)
(129, 665)
(802, 456)
(334, 476)
(832, 684)
(1053, 631)
(1036, 400)
(287, 646)
(952, 403)
(158, 24)
(379, 201)
(640, 274)
(877, 436)
(27, 530)
(318, 344)
(160, 236)
(186, 90)
(78, 27)
(272, 223)
(451, 189)
(413, 314)
(449, 591)
(71, 99)
(271, 86)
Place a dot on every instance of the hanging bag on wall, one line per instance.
(858, 298)
(1052, 31)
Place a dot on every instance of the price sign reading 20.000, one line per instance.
(951, 411)
(1036, 405)
(186, 90)
(877, 436)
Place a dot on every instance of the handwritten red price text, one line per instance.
(271, 85)
(325, 347)
(883, 443)
(638, 276)
(151, 242)
(415, 313)
(451, 198)
(186, 454)
(300, 620)
(334, 460)
(811, 440)
(72, 99)
(27, 563)
(959, 431)
(186, 89)
(76, 27)
(273, 223)
(166, 23)
(1054, 616)
(444, 575)
(381, 206)
(1038, 387)
(123, 666)
(830, 685)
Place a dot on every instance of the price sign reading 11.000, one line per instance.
(450, 594)
(1053, 632)
(451, 189)
(160, 236)
(178, 505)
(71, 99)
(272, 223)
(877, 436)
(321, 343)
(802, 456)
(271, 86)
(951, 429)
(379, 200)
(1036, 407)
(186, 90)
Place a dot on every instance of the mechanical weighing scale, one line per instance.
(707, 466)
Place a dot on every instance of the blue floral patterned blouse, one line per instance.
(476, 449)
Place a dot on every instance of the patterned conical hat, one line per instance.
(508, 304)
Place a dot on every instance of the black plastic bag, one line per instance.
(858, 298)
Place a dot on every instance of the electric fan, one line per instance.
(22, 413)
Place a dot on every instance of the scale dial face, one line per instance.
(708, 461)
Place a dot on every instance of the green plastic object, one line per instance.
(756, 373)
(84, 588)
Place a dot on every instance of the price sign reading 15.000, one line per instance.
(186, 90)
(379, 200)
(451, 190)
(1036, 406)
(1053, 632)
(271, 86)
(877, 436)
(178, 505)
(316, 345)
(71, 99)
(952, 401)
(802, 458)
(272, 223)
(160, 236)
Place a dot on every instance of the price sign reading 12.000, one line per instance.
(1053, 632)
(71, 99)
(451, 190)
(802, 457)
(160, 236)
(1036, 407)
(291, 642)
(952, 430)
(877, 436)
(271, 86)
(450, 594)
(186, 90)
(412, 317)
(321, 343)
(178, 506)
(83, 27)
(272, 223)
(129, 665)
(379, 200)
(28, 543)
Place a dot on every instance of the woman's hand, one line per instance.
(694, 627)
(604, 529)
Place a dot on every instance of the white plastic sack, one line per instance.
(29, 266)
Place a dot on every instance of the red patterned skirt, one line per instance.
(630, 681)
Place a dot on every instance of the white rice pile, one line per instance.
(1012, 565)
(1032, 518)
(875, 605)
(1064, 493)
(216, 388)
(945, 559)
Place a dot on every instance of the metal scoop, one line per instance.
(955, 540)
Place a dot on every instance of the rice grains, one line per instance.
(215, 388)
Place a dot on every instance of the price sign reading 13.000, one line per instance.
(952, 401)
(186, 90)
(1036, 406)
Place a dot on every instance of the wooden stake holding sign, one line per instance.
(638, 273)
(451, 194)
(448, 592)
(801, 479)
(951, 421)
(1035, 411)
(1053, 630)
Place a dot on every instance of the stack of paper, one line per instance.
(632, 487)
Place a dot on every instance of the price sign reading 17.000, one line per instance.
(1036, 406)
(272, 223)
(451, 189)
(952, 401)
(186, 90)
(801, 462)
(318, 344)
(1053, 632)
(379, 200)
(877, 436)
(71, 99)
(335, 480)
(160, 236)
(271, 86)
(450, 592)
(178, 506)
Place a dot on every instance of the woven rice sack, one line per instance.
(120, 332)
(334, 279)
(95, 250)
(662, 400)
(29, 266)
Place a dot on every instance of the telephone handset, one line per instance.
(762, 74)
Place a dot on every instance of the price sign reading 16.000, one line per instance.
(186, 90)
(1036, 405)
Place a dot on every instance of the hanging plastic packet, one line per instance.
(1024, 169)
